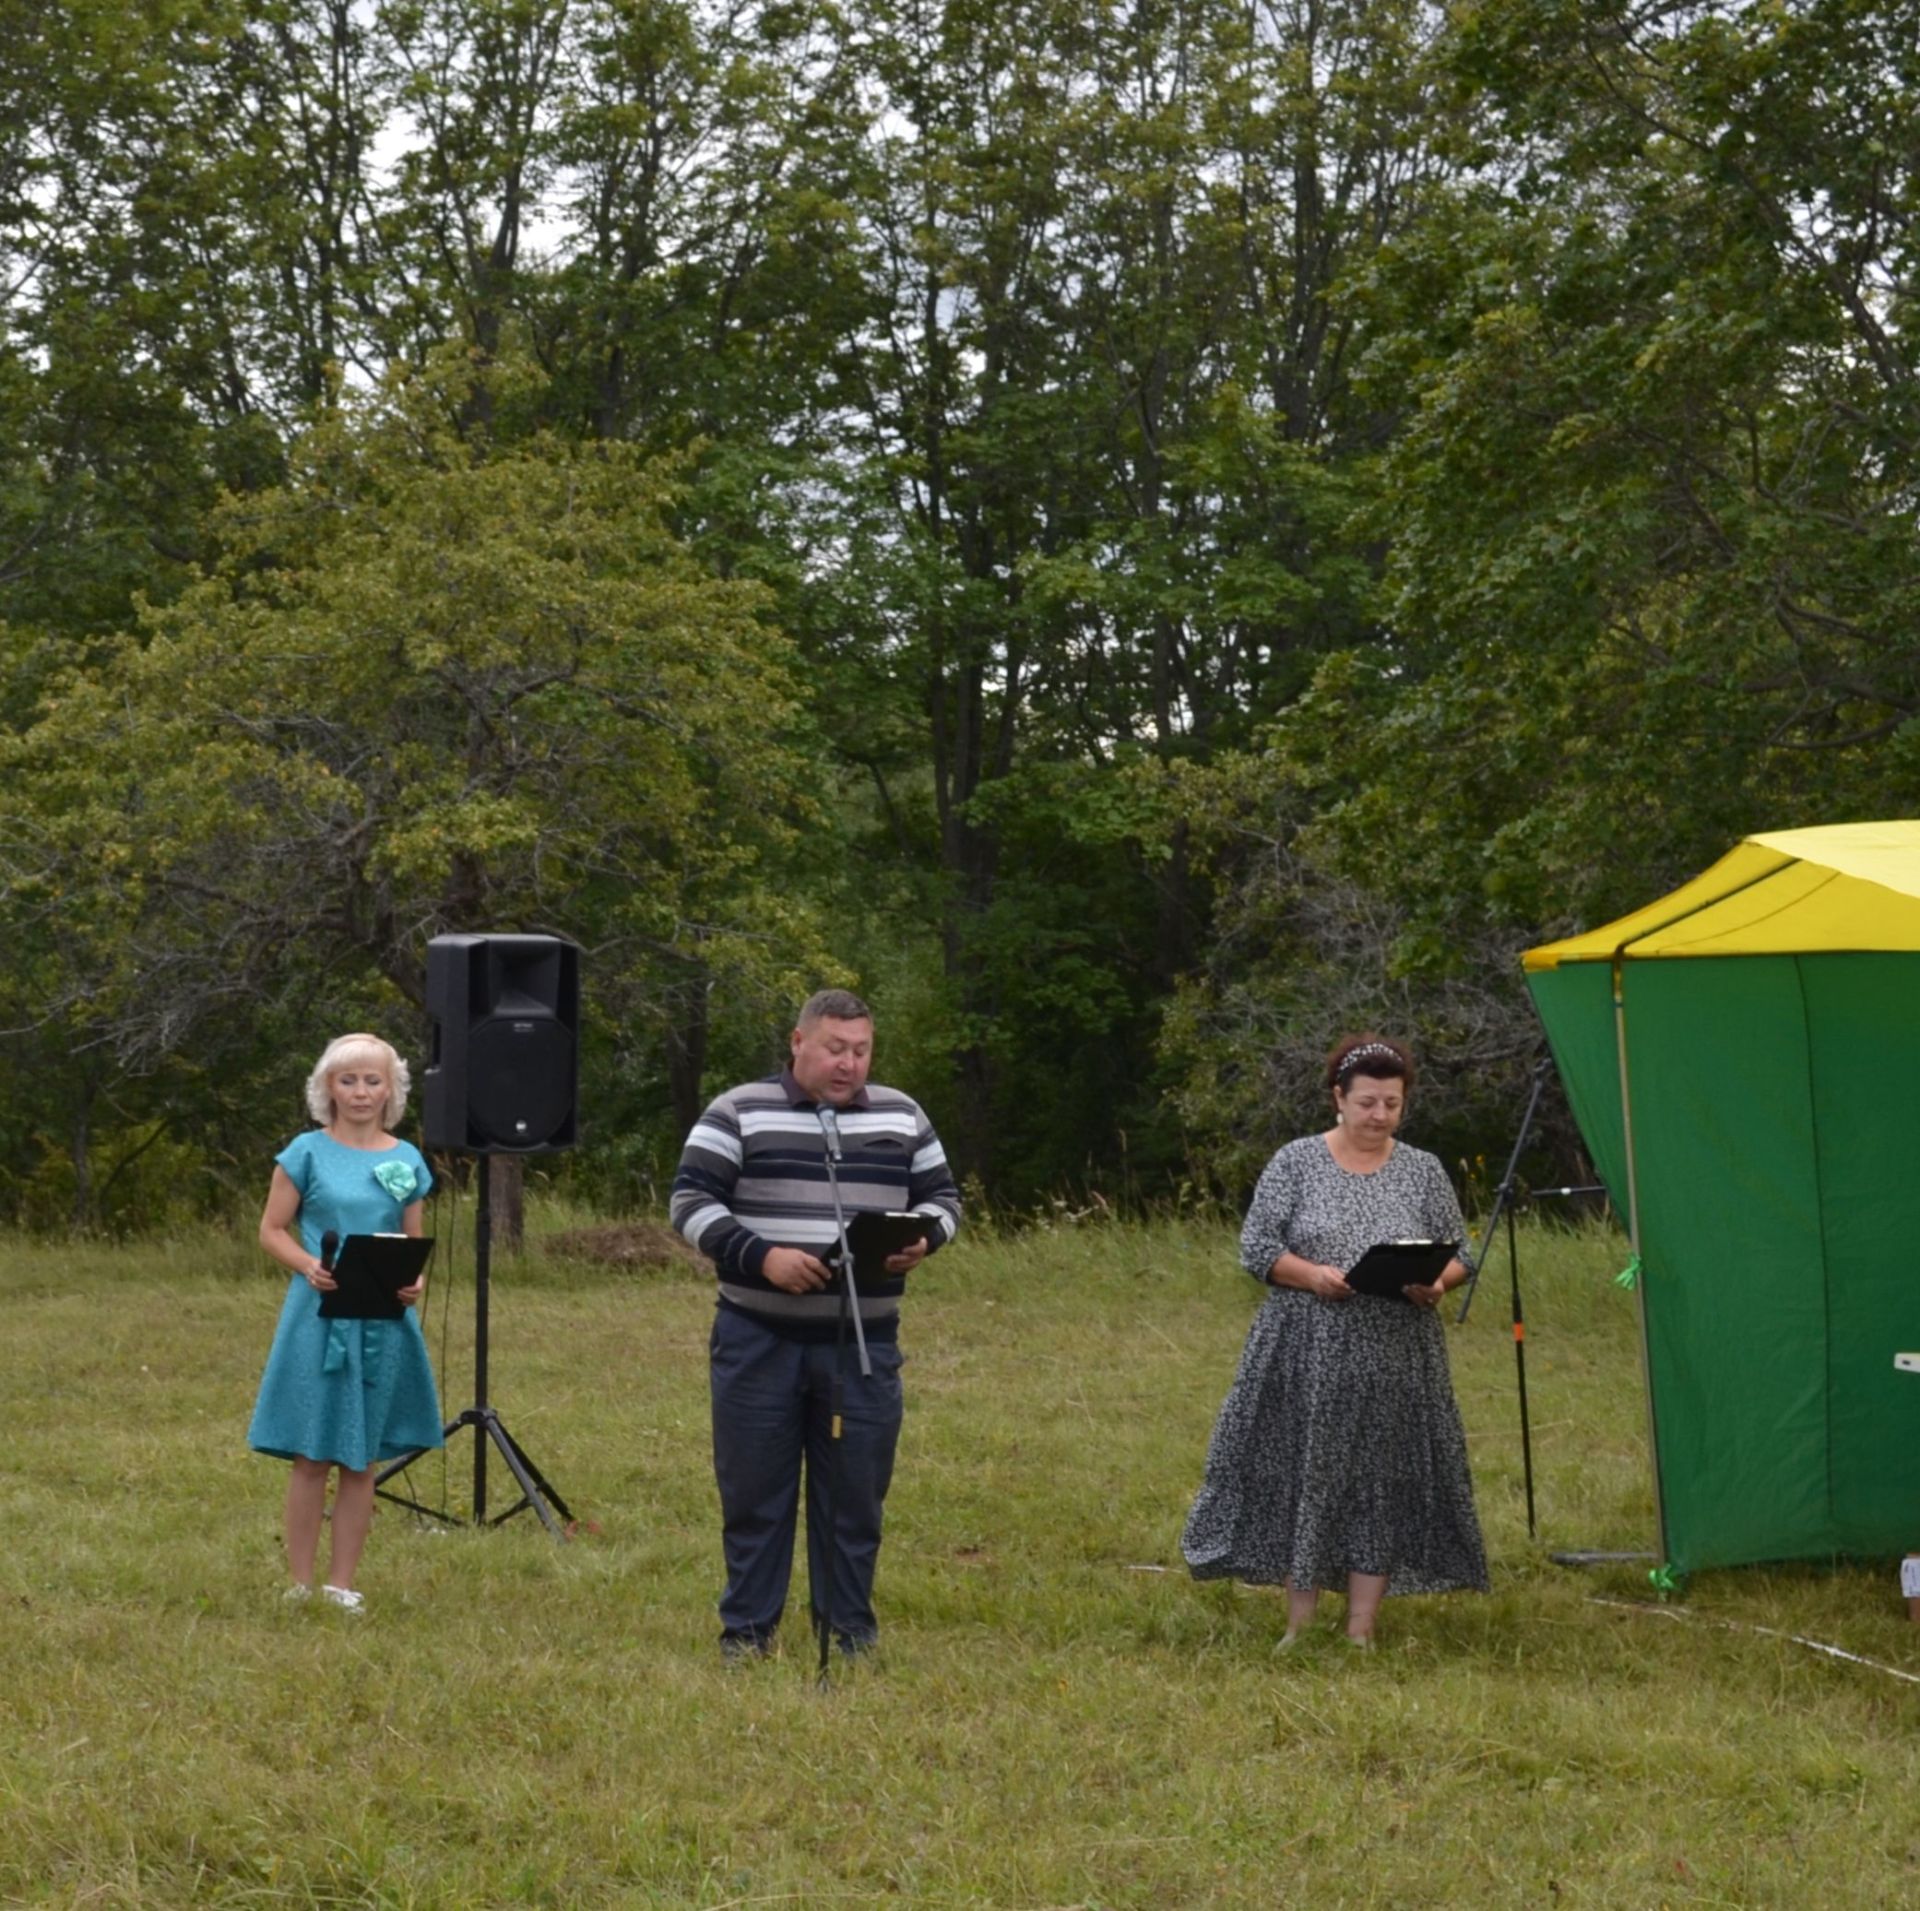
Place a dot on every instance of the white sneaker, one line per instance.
(344, 1597)
(297, 1595)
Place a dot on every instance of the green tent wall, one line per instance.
(1768, 1157)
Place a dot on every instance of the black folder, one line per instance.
(874, 1236)
(1385, 1269)
(371, 1269)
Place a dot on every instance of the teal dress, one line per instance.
(348, 1392)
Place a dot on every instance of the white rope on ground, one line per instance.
(1769, 1632)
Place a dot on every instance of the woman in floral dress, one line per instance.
(1338, 1460)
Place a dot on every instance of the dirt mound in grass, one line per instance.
(643, 1246)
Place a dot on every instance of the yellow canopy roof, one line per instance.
(1848, 886)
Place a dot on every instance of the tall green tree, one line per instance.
(1653, 515)
(1102, 423)
(1650, 577)
(422, 688)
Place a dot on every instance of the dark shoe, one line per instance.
(743, 1648)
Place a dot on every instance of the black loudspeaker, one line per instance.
(506, 1044)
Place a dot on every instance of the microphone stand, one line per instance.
(1503, 1195)
(849, 1310)
(1506, 1200)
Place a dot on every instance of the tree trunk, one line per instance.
(79, 1145)
(507, 1202)
(687, 1052)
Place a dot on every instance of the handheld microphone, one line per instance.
(830, 1127)
(329, 1247)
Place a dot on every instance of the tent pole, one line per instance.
(1633, 1239)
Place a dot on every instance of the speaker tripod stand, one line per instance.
(488, 1428)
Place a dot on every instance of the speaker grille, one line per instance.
(520, 1079)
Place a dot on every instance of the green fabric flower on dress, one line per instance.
(397, 1178)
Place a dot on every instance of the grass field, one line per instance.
(1061, 1717)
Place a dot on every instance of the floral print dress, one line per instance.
(1339, 1447)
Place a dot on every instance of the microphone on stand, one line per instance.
(830, 1127)
(837, 1394)
(840, 1259)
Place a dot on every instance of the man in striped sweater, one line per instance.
(753, 1195)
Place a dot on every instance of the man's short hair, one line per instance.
(833, 1005)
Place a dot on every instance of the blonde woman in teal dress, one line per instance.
(345, 1394)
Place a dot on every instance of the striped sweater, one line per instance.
(753, 1175)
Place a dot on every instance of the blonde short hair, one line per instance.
(343, 1052)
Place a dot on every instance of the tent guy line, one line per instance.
(1766, 1632)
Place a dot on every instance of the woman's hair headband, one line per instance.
(1354, 1061)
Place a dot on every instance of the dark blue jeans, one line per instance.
(772, 1407)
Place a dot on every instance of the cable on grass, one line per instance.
(1766, 1632)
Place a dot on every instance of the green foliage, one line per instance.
(1649, 574)
(1106, 455)
(1653, 513)
(1266, 514)
(141, 1181)
(420, 688)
